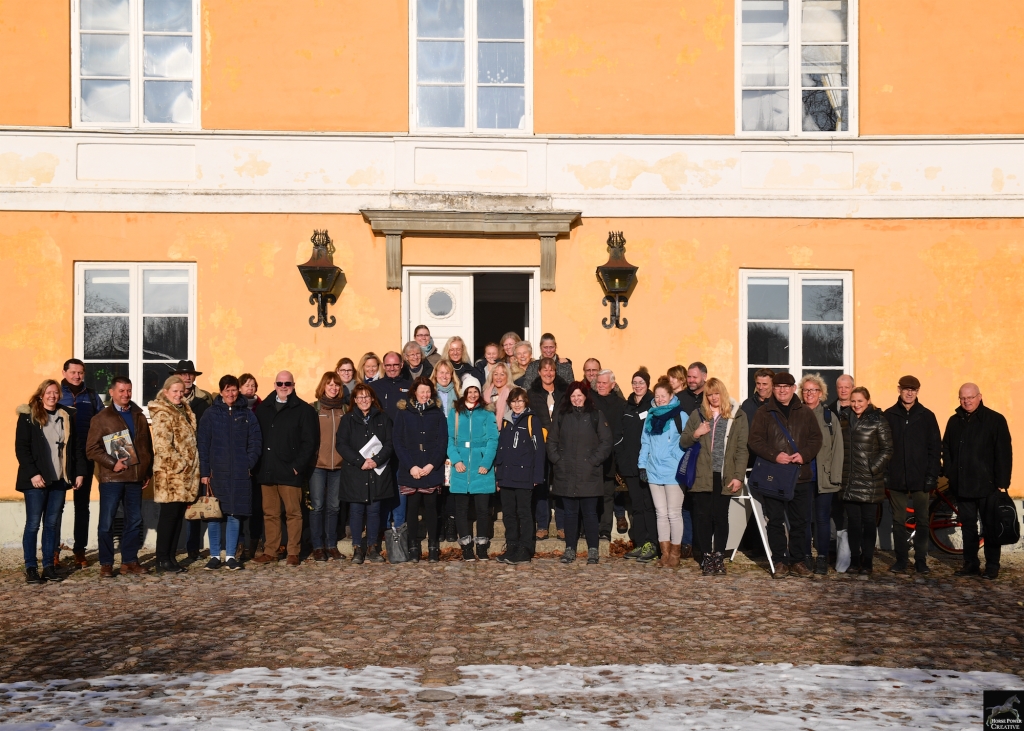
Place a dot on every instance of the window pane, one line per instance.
(765, 20)
(501, 107)
(765, 66)
(501, 63)
(164, 338)
(153, 377)
(171, 15)
(767, 343)
(830, 377)
(99, 375)
(826, 111)
(441, 106)
(164, 292)
(767, 299)
(106, 338)
(440, 61)
(823, 20)
(823, 66)
(105, 55)
(440, 18)
(750, 377)
(500, 19)
(823, 345)
(167, 56)
(106, 290)
(106, 101)
(104, 14)
(168, 102)
(823, 300)
(765, 111)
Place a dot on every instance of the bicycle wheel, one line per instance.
(945, 526)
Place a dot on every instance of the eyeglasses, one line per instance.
(392, 365)
(363, 397)
(911, 390)
(811, 390)
(283, 384)
(346, 370)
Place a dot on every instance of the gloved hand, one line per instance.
(643, 475)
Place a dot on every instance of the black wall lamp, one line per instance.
(320, 275)
(617, 277)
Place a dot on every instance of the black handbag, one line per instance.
(1008, 524)
(771, 479)
(396, 543)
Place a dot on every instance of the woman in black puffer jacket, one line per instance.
(868, 448)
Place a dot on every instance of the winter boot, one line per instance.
(451, 534)
(467, 548)
(433, 553)
(373, 554)
(358, 554)
(50, 574)
(415, 549)
(821, 566)
(719, 563)
(524, 554)
(707, 565)
(674, 553)
(32, 576)
(666, 554)
(482, 547)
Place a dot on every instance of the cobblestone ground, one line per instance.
(438, 617)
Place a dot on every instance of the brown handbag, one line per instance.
(206, 507)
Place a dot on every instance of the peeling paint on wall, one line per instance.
(621, 171)
(222, 333)
(253, 167)
(371, 175)
(930, 173)
(998, 180)
(38, 169)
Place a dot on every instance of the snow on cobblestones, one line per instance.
(777, 697)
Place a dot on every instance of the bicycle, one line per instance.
(944, 525)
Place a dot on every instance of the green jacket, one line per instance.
(735, 466)
(830, 456)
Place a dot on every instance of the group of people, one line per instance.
(428, 444)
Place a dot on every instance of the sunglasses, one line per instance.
(282, 384)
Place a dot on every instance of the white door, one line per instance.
(444, 303)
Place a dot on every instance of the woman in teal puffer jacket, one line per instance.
(472, 446)
(659, 459)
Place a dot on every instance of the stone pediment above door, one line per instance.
(471, 215)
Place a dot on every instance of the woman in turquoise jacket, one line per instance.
(472, 446)
(659, 459)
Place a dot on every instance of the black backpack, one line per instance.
(1008, 525)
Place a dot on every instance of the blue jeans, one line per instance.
(395, 511)
(368, 515)
(113, 494)
(687, 527)
(542, 508)
(43, 506)
(819, 514)
(232, 525)
(325, 499)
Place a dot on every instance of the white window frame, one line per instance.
(135, 312)
(471, 78)
(796, 99)
(136, 76)
(796, 277)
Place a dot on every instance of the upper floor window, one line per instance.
(472, 65)
(135, 63)
(797, 67)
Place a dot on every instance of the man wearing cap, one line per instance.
(977, 458)
(913, 472)
(199, 400)
(783, 412)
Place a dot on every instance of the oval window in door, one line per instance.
(440, 304)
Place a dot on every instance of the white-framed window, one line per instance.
(795, 321)
(472, 66)
(136, 320)
(135, 64)
(796, 67)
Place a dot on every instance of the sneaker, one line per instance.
(212, 565)
(507, 556)
(319, 555)
(593, 556)
(635, 553)
(358, 554)
(900, 567)
(373, 554)
(232, 564)
(481, 551)
(921, 567)
(821, 566)
(568, 556)
(648, 553)
(467, 552)
(32, 576)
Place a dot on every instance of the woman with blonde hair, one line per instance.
(496, 390)
(49, 463)
(522, 357)
(175, 467)
(828, 479)
(368, 369)
(456, 353)
(508, 346)
(449, 390)
(720, 427)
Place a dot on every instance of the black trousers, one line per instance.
(971, 509)
(517, 515)
(425, 504)
(484, 521)
(860, 522)
(777, 511)
(711, 516)
(168, 527)
(644, 520)
(900, 535)
(588, 507)
(606, 507)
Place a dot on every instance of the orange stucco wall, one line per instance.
(612, 67)
(934, 67)
(939, 312)
(341, 65)
(35, 69)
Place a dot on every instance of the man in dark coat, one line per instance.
(768, 441)
(613, 406)
(546, 393)
(392, 388)
(291, 439)
(762, 392)
(977, 458)
(692, 396)
(913, 472)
